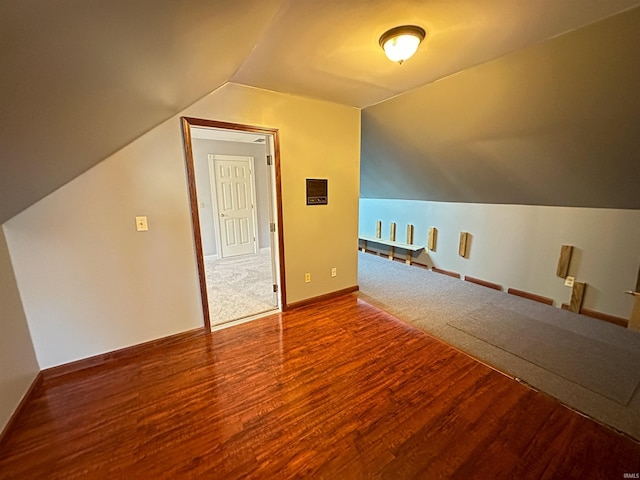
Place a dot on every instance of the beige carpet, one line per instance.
(239, 287)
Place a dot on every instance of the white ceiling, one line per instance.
(329, 49)
(89, 77)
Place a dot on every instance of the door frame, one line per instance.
(187, 123)
(211, 160)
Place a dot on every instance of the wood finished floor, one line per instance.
(337, 390)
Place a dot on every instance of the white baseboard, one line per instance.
(265, 250)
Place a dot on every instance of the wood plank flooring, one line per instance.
(336, 390)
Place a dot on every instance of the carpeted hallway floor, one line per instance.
(239, 287)
(587, 364)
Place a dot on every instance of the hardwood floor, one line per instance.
(335, 390)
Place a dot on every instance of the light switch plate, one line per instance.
(141, 224)
(568, 282)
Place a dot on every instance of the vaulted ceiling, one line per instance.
(82, 79)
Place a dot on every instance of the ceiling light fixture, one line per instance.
(400, 43)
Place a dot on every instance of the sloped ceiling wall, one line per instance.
(555, 124)
(82, 79)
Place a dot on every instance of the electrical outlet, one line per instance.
(334, 272)
(141, 224)
(568, 282)
(307, 277)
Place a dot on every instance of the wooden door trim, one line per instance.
(187, 123)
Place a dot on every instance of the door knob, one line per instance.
(222, 214)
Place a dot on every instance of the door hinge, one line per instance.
(272, 227)
(275, 288)
(269, 160)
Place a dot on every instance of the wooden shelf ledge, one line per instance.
(405, 246)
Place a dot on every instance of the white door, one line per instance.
(235, 193)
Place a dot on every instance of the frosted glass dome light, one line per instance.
(400, 43)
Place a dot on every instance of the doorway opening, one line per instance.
(235, 195)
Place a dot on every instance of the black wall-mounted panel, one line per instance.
(317, 191)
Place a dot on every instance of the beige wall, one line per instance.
(317, 140)
(90, 283)
(18, 365)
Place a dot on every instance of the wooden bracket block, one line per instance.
(464, 244)
(446, 272)
(392, 237)
(634, 321)
(484, 283)
(605, 317)
(563, 263)
(409, 234)
(407, 259)
(577, 296)
(433, 239)
(379, 229)
(530, 296)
